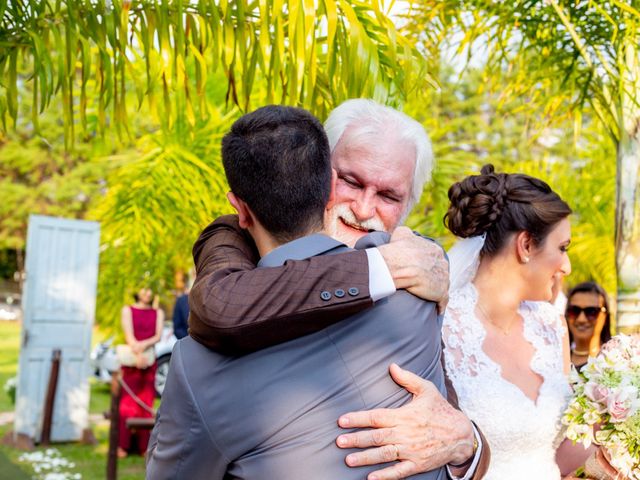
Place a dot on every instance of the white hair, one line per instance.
(368, 120)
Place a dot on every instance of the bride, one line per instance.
(506, 348)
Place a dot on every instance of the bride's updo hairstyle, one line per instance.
(500, 204)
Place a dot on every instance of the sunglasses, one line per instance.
(573, 312)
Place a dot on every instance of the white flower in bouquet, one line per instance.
(605, 408)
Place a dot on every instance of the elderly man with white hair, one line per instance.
(382, 159)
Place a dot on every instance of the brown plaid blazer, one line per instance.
(236, 309)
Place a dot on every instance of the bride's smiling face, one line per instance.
(549, 261)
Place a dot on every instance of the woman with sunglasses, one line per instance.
(588, 318)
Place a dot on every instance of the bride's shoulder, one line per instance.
(460, 324)
(463, 297)
(544, 312)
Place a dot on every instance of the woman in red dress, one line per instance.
(142, 325)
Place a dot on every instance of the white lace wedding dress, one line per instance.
(523, 434)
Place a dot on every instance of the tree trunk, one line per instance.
(628, 229)
(18, 275)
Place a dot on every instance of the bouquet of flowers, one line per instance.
(605, 408)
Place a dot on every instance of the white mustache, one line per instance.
(343, 212)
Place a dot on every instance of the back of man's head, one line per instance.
(369, 122)
(277, 161)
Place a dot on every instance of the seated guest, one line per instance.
(588, 318)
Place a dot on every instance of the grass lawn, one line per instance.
(90, 461)
(9, 345)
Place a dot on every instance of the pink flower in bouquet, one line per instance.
(596, 392)
(621, 403)
(612, 345)
(621, 349)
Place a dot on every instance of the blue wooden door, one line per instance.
(58, 307)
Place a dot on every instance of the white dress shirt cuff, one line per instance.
(380, 282)
(476, 459)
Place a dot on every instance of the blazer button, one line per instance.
(339, 293)
(353, 291)
(325, 295)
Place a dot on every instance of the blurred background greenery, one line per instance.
(114, 111)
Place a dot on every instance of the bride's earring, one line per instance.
(524, 246)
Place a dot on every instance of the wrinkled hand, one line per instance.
(599, 467)
(418, 266)
(424, 434)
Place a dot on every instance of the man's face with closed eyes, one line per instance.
(373, 187)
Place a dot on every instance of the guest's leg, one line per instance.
(128, 409)
(147, 395)
(147, 392)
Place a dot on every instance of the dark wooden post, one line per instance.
(51, 395)
(114, 418)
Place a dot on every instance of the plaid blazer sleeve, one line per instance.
(236, 309)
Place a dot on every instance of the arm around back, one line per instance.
(236, 308)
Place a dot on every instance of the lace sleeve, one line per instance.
(556, 323)
(460, 334)
(553, 325)
(559, 438)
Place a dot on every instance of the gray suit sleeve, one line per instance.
(181, 445)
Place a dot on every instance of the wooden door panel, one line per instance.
(58, 305)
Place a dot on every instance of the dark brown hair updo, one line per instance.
(500, 204)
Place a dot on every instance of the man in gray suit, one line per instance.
(272, 414)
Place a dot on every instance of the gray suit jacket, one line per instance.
(273, 414)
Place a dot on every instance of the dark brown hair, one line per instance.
(136, 297)
(500, 204)
(276, 159)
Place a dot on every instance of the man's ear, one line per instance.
(332, 194)
(524, 246)
(245, 218)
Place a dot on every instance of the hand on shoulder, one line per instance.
(417, 265)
